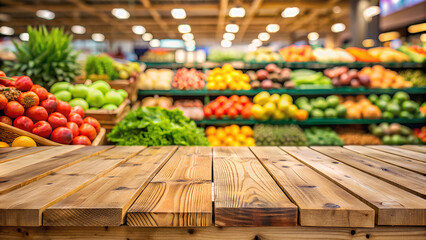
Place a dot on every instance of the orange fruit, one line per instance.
(210, 78)
(235, 144)
(247, 131)
(24, 141)
(301, 115)
(228, 141)
(220, 133)
(211, 86)
(235, 75)
(210, 130)
(245, 78)
(221, 85)
(250, 142)
(241, 138)
(3, 144)
(215, 143)
(228, 79)
(219, 78)
(235, 128)
(227, 67)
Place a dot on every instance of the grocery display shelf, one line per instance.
(311, 121)
(324, 91)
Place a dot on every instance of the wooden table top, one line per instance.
(350, 186)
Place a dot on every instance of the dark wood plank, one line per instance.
(401, 152)
(245, 193)
(10, 155)
(415, 148)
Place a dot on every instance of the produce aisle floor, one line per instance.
(279, 192)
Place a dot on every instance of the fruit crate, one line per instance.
(128, 85)
(9, 133)
(109, 118)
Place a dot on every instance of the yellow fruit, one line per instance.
(210, 78)
(270, 108)
(241, 138)
(234, 127)
(235, 144)
(283, 104)
(227, 67)
(3, 144)
(257, 111)
(23, 141)
(221, 85)
(210, 130)
(228, 141)
(215, 143)
(219, 78)
(228, 79)
(261, 98)
(220, 134)
(278, 115)
(291, 110)
(211, 86)
(275, 98)
(246, 86)
(287, 97)
(250, 142)
(246, 130)
(245, 78)
(235, 75)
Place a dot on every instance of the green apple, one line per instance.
(79, 102)
(63, 95)
(109, 107)
(79, 91)
(102, 86)
(113, 97)
(95, 98)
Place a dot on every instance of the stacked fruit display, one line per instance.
(399, 105)
(320, 107)
(342, 76)
(232, 135)
(272, 77)
(35, 110)
(275, 107)
(262, 54)
(417, 77)
(322, 136)
(384, 78)
(279, 135)
(415, 53)
(305, 78)
(227, 78)
(188, 79)
(155, 79)
(127, 70)
(394, 134)
(231, 107)
(95, 96)
(103, 67)
(356, 135)
(360, 107)
(330, 55)
(301, 53)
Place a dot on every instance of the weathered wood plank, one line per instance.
(320, 201)
(180, 194)
(393, 205)
(405, 179)
(401, 152)
(10, 155)
(415, 148)
(106, 201)
(8, 149)
(245, 193)
(24, 206)
(20, 177)
(407, 163)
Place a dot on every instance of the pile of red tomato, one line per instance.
(231, 107)
(420, 133)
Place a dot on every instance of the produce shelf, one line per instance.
(325, 91)
(311, 121)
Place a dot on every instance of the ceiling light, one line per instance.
(178, 13)
(154, 43)
(232, 28)
(313, 36)
(138, 29)
(226, 43)
(256, 42)
(120, 13)
(24, 36)
(389, 36)
(229, 36)
(184, 28)
(7, 30)
(189, 43)
(147, 37)
(237, 12)
(337, 9)
(45, 14)
(272, 28)
(77, 29)
(190, 48)
(251, 48)
(423, 37)
(98, 37)
(417, 28)
(290, 12)
(188, 36)
(264, 36)
(338, 27)
(368, 43)
(371, 12)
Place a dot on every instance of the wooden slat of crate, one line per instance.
(9, 133)
(179, 195)
(10, 155)
(407, 163)
(393, 205)
(24, 206)
(245, 193)
(109, 116)
(106, 201)
(401, 152)
(13, 179)
(405, 179)
(8, 149)
(415, 148)
(320, 201)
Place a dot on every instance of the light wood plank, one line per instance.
(106, 201)
(415, 148)
(24, 206)
(405, 179)
(393, 205)
(20, 177)
(180, 194)
(407, 163)
(8, 149)
(401, 152)
(245, 193)
(7, 156)
(320, 201)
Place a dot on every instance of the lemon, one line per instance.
(23, 141)
(3, 144)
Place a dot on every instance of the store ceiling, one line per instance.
(207, 18)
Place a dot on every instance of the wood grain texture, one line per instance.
(10, 180)
(245, 193)
(24, 206)
(106, 201)
(393, 205)
(320, 201)
(180, 194)
(10, 155)
(407, 163)
(405, 179)
(401, 152)
(8, 149)
(415, 148)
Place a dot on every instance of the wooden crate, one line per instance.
(107, 118)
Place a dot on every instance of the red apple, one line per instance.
(24, 83)
(74, 128)
(79, 110)
(51, 96)
(42, 129)
(57, 120)
(3, 101)
(81, 140)
(6, 120)
(88, 130)
(35, 86)
(62, 135)
(28, 99)
(37, 113)
(41, 92)
(49, 105)
(14, 109)
(24, 123)
(92, 121)
(75, 117)
(63, 107)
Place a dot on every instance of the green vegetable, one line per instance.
(154, 126)
(279, 135)
(324, 136)
(101, 65)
